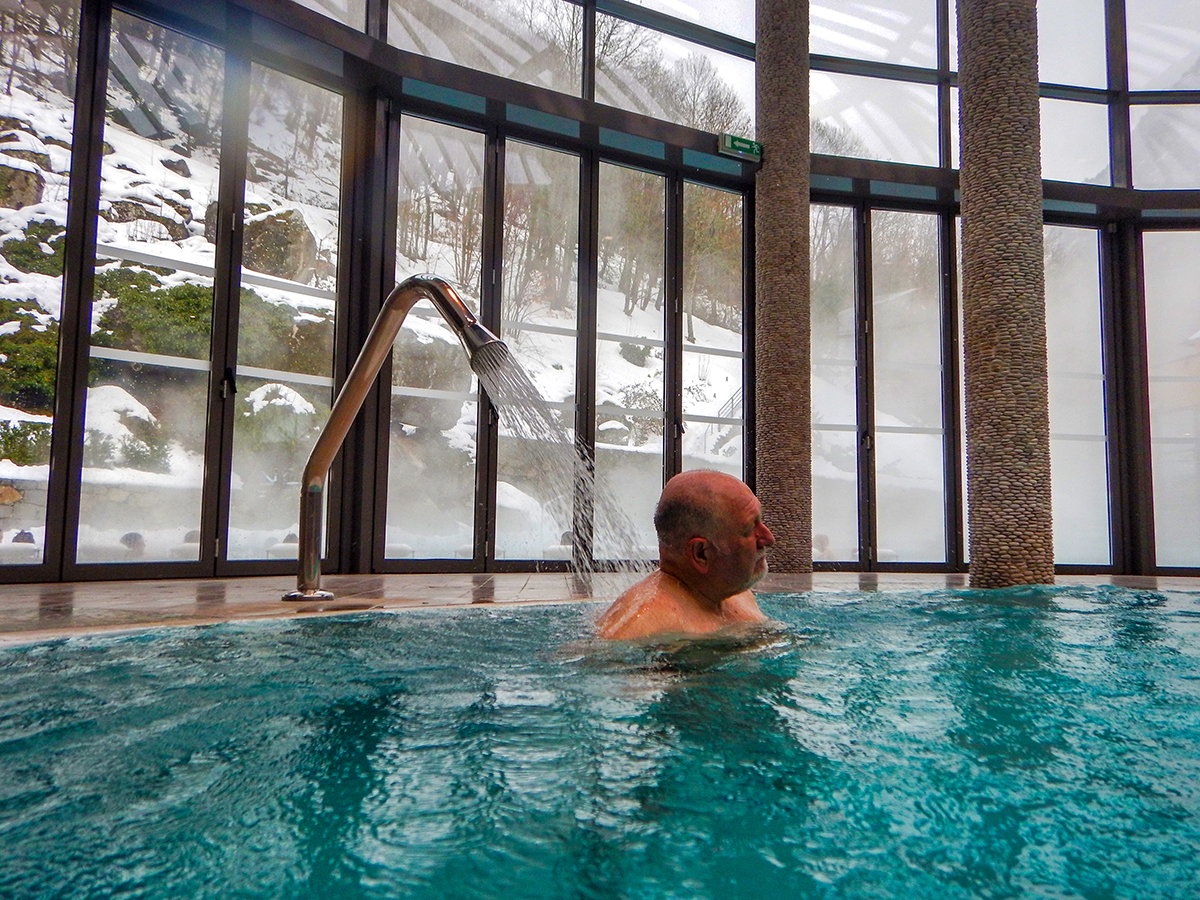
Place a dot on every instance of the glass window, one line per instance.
(286, 306)
(834, 385)
(898, 31)
(870, 118)
(1163, 38)
(35, 164)
(648, 72)
(1172, 266)
(148, 372)
(539, 303)
(348, 12)
(909, 433)
(630, 333)
(1166, 147)
(732, 17)
(431, 448)
(1075, 141)
(538, 42)
(1071, 42)
(713, 312)
(1078, 442)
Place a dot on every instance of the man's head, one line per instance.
(711, 534)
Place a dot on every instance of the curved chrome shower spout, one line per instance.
(374, 353)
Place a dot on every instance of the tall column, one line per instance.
(782, 386)
(1004, 309)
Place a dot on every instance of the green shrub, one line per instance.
(25, 443)
(26, 253)
(30, 359)
(174, 321)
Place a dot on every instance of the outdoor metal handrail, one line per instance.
(350, 399)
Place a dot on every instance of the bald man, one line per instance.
(712, 546)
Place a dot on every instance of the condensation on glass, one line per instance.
(37, 104)
(538, 42)
(1166, 146)
(348, 12)
(285, 306)
(1078, 435)
(539, 309)
(148, 369)
(1075, 141)
(652, 73)
(432, 448)
(1071, 42)
(1163, 45)
(713, 342)
(873, 118)
(732, 17)
(909, 428)
(900, 31)
(1172, 266)
(834, 385)
(630, 350)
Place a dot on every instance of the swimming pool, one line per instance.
(1022, 743)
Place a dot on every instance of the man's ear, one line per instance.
(699, 554)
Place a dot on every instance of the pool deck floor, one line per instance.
(31, 613)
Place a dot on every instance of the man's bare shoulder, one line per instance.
(651, 606)
(660, 605)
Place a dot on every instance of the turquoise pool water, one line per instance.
(1027, 743)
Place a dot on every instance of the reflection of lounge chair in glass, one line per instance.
(22, 548)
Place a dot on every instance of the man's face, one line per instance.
(740, 552)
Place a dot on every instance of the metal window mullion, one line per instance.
(587, 68)
(947, 125)
(1120, 147)
(361, 286)
(487, 441)
(952, 426)
(1127, 401)
(79, 254)
(218, 449)
(749, 361)
(864, 339)
(387, 166)
(583, 510)
(673, 328)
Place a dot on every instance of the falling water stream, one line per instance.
(551, 448)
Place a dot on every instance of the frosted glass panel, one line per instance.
(1075, 142)
(432, 439)
(1166, 147)
(1172, 266)
(906, 305)
(539, 42)
(631, 316)
(148, 369)
(37, 103)
(733, 17)
(1078, 442)
(834, 380)
(899, 31)
(870, 118)
(286, 307)
(1164, 45)
(535, 483)
(648, 72)
(1071, 42)
(713, 311)
(348, 12)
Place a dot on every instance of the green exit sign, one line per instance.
(742, 148)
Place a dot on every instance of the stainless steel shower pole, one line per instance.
(350, 399)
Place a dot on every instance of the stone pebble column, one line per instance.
(782, 385)
(1004, 314)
